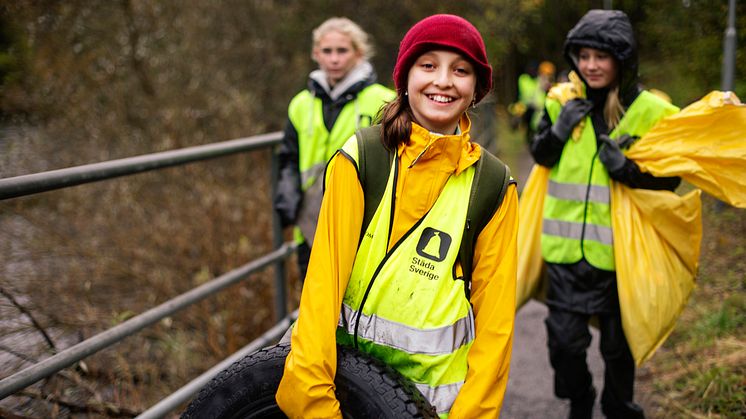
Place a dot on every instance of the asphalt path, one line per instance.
(530, 392)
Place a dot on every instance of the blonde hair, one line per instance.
(613, 110)
(360, 39)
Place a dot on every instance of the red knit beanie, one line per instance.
(448, 32)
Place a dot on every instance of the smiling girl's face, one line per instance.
(441, 85)
(598, 68)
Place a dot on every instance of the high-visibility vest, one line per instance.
(404, 306)
(530, 92)
(316, 144)
(577, 210)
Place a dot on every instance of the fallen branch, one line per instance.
(71, 376)
(109, 409)
(7, 414)
(28, 314)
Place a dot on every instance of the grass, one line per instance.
(700, 372)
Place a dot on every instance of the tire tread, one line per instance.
(229, 388)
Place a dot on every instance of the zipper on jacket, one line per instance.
(393, 203)
(388, 240)
(386, 257)
(375, 275)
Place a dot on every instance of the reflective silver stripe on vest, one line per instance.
(570, 230)
(439, 341)
(575, 192)
(441, 397)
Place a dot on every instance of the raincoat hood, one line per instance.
(610, 31)
(359, 77)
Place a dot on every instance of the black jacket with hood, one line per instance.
(610, 31)
(580, 287)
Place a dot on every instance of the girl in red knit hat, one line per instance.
(414, 257)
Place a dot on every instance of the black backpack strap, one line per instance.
(373, 159)
(488, 189)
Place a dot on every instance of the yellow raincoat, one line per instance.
(657, 234)
(307, 386)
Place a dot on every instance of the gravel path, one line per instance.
(530, 391)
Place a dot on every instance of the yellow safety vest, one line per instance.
(577, 211)
(316, 144)
(405, 306)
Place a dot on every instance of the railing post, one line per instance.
(78, 175)
(277, 241)
(729, 49)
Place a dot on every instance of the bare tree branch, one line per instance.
(7, 414)
(16, 354)
(138, 63)
(28, 314)
(108, 409)
(71, 376)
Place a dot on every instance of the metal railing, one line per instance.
(56, 179)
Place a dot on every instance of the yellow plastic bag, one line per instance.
(656, 248)
(656, 242)
(657, 237)
(705, 144)
(657, 234)
(530, 215)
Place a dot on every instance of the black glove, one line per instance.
(572, 113)
(610, 154)
(625, 141)
(288, 196)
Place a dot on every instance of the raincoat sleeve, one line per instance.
(631, 175)
(288, 196)
(545, 148)
(307, 386)
(493, 294)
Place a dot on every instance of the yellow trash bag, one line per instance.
(656, 248)
(530, 214)
(657, 234)
(657, 237)
(705, 144)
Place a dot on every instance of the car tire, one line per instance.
(365, 387)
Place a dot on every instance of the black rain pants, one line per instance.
(569, 338)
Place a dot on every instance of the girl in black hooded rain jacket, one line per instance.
(601, 49)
